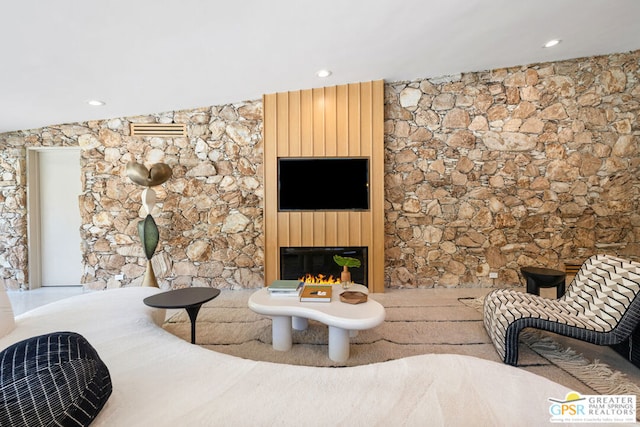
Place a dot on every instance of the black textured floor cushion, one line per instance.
(52, 379)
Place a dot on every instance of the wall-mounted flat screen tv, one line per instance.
(323, 183)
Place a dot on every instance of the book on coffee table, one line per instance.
(316, 293)
(285, 288)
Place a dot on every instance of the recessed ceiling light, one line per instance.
(551, 43)
(96, 103)
(323, 73)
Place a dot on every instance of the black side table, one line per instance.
(537, 278)
(191, 299)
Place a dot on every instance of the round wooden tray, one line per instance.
(353, 297)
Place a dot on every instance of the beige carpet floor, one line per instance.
(417, 322)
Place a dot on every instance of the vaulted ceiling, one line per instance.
(147, 56)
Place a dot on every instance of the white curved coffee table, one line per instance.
(343, 319)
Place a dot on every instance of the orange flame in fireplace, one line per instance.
(319, 279)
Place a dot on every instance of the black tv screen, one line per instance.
(323, 183)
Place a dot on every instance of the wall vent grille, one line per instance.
(167, 130)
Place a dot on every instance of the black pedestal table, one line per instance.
(191, 299)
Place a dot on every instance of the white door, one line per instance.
(58, 189)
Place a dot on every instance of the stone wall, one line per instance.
(485, 172)
(209, 213)
(533, 165)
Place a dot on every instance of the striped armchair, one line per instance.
(601, 306)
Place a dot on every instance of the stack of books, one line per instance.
(316, 293)
(285, 288)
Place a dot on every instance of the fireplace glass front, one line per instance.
(296, 262)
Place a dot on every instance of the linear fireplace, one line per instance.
(296, 262)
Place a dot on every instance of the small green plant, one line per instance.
(343, 261)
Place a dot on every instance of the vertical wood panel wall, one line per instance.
(336, 121)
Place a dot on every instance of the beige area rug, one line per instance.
(417, 322)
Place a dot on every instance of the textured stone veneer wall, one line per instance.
(485, 172)
(491, 171)
(209, 213)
